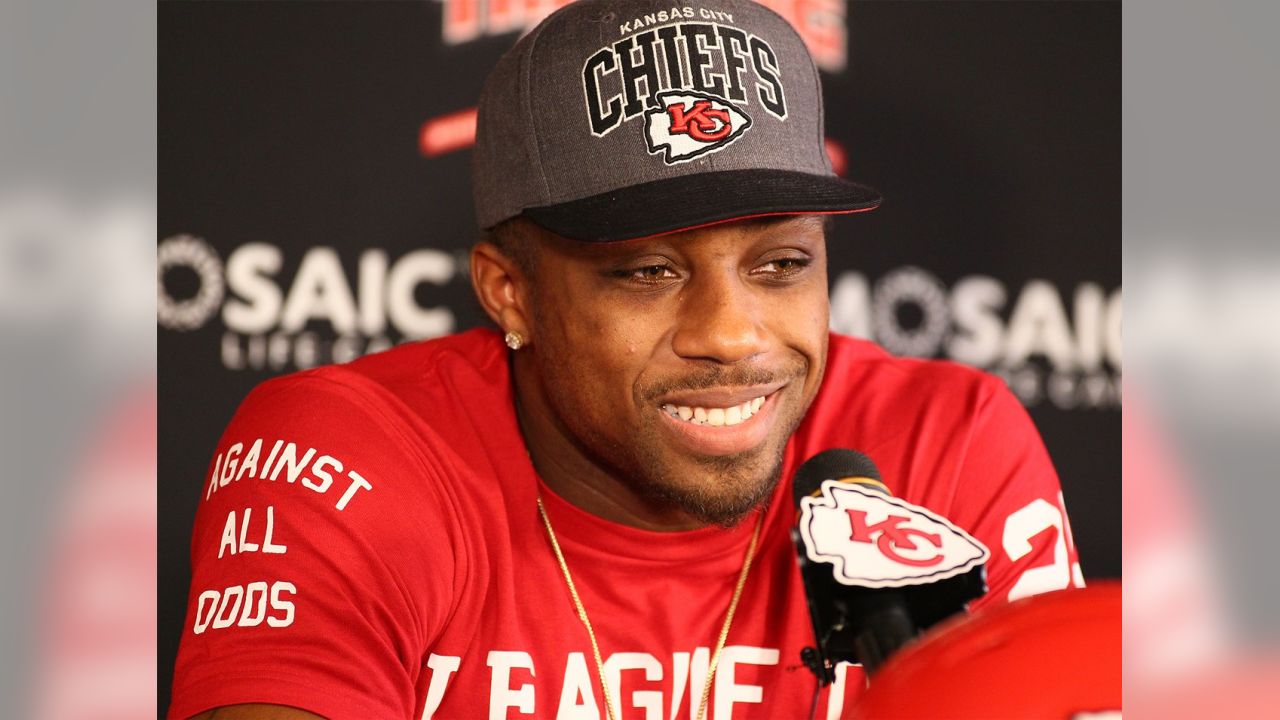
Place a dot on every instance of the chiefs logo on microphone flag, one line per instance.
(876, 540)
(687, 124)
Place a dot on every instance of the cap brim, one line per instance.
(672, 205)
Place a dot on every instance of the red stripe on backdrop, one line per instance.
(446, 133)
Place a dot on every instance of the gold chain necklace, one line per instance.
(595, 648)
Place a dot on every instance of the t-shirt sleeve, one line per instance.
(1010, 499)
(322, 557)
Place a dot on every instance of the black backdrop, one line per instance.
(311, 209)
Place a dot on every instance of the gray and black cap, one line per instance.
(619, 119)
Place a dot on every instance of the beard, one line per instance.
(719, 490)
(736, 488)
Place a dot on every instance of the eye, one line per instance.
(647, 274)
(783, 267)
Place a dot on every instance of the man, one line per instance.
(583, 515)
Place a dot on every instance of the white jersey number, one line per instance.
(1024, 524)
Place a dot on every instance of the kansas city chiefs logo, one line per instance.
(877, 540)
(688, 124)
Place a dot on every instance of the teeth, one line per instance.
(715, 416)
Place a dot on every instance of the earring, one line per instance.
(514, 340)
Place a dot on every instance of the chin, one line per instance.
(732, 487)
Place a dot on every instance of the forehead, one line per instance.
(739, 233)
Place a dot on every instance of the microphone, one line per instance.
(877, 570)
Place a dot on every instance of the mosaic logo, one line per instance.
(1045, 352)
(269, 317)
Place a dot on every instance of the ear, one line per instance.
(501, 287)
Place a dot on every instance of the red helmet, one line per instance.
(1049, 656)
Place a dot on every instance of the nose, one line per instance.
(720, 320)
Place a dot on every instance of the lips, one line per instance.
(724, 398)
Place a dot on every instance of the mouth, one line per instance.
(715, 416)
(721, 423)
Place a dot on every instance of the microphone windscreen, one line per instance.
(831, 465)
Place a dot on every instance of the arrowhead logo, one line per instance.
(876, 540)
(688, 124)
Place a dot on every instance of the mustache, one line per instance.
(717, 376)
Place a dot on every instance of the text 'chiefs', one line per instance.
(719, 60)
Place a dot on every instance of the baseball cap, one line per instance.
(620, 119)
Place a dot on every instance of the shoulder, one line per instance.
(380, 421)
(860, 373)
(389, 434)
(409, 389)
(917, 419)
(465, 357)
(383, 378)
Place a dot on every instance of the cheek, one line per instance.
(620, 327)
(595, 351)
(801, 317)
(801, 322)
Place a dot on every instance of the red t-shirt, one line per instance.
(368, 546)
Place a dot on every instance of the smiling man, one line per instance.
(668, 373)
(583, 514)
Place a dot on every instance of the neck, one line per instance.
(577, 478)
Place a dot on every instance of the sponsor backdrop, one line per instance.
(315, 206)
